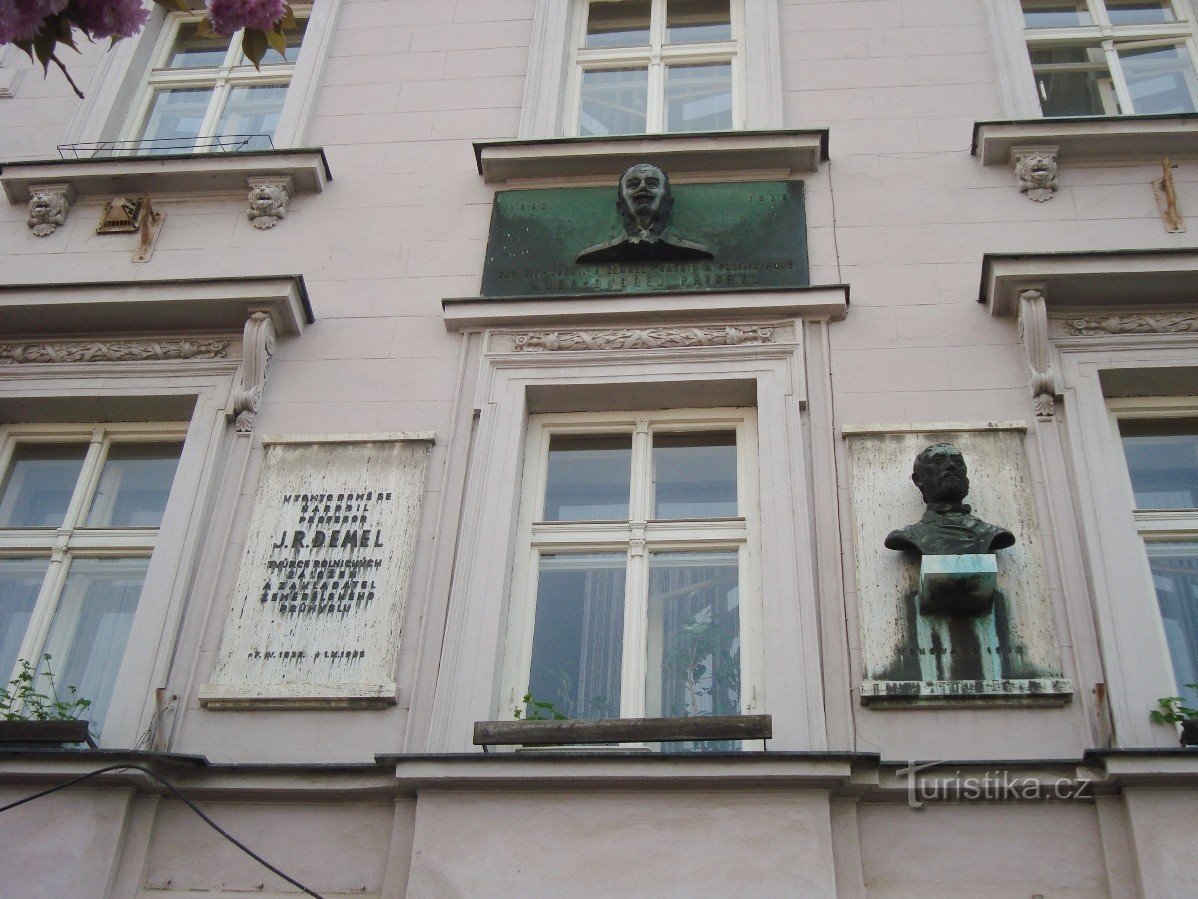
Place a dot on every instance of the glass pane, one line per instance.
(253, 111)
(1041, 14)
(613, 101)
(91, 627)
(41, 479)
(699, 98)
(175, 119)
(694, 638)
(578, 638)
(588, 478)
(694, 475)
(295, 37)
(1140, 12)
(1160, 79)
(1073, 81)
(1175, 576)
(1162, 459)
(191, 51)
(695, 21)
(134, 484)
(623, 24)
(20, 581)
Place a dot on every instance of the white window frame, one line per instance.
(230, 74)
(118, 95)
(73, 539)
(655, 57)
(1135, 651)
(638, 537)
(1015, 42)
(467, 684)
(551, 87)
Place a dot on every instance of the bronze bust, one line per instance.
(644, 201)
(947, 528)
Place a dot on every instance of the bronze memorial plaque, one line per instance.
(645, 235)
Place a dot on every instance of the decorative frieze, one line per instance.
(1036, 169)
(1162, 323)
(48, 207)
(66, 352)
(268, 200)
(641, 338)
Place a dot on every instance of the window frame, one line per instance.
(73, 540)
(1107, 38)
(656, 56)
(222, 79)
(638, 537)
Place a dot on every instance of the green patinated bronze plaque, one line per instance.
(719, 237)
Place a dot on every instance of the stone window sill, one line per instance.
(1099, 139)
(167, 173)
(716, 156)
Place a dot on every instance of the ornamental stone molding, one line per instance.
(268, 199)
(48, 207)
(257, 350)
(1163, 323)
(1036, 169)
(1033, 320)
(641, 338)
(74, 351)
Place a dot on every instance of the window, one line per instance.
(633, 595)
(646, 66)
(1162, 462)
(202, 93)
(1111, 57)
(80, 512)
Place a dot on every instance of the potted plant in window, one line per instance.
(1171, 711)
(29, 717)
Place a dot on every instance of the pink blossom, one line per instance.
(228, 16)
(21, 19)
(110, 18)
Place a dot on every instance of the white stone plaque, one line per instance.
(320, 593)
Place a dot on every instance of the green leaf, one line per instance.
(288, 20)
(204, 28)
(254, 45)
(43, 47)
(277, 41)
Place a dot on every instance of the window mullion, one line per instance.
(45, 606)
(89, 476)
(633, 661)
(1117, 78)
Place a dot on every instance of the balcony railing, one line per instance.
(224, 143)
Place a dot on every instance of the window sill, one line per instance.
(1090, 139)
(167, 173)
(714, 156)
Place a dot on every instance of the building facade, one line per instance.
(354, 400)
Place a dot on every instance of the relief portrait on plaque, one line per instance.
(645, 203)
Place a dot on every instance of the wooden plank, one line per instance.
(623, 730)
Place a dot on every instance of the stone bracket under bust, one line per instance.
(955, 578)
(645, 201)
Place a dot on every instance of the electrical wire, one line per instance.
(174, 792)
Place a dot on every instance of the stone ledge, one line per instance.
(1096, 139)
(167, 173)
(1046, 691)
(712, 156)
(828, 302)
(1131, 277)
(185, 305)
